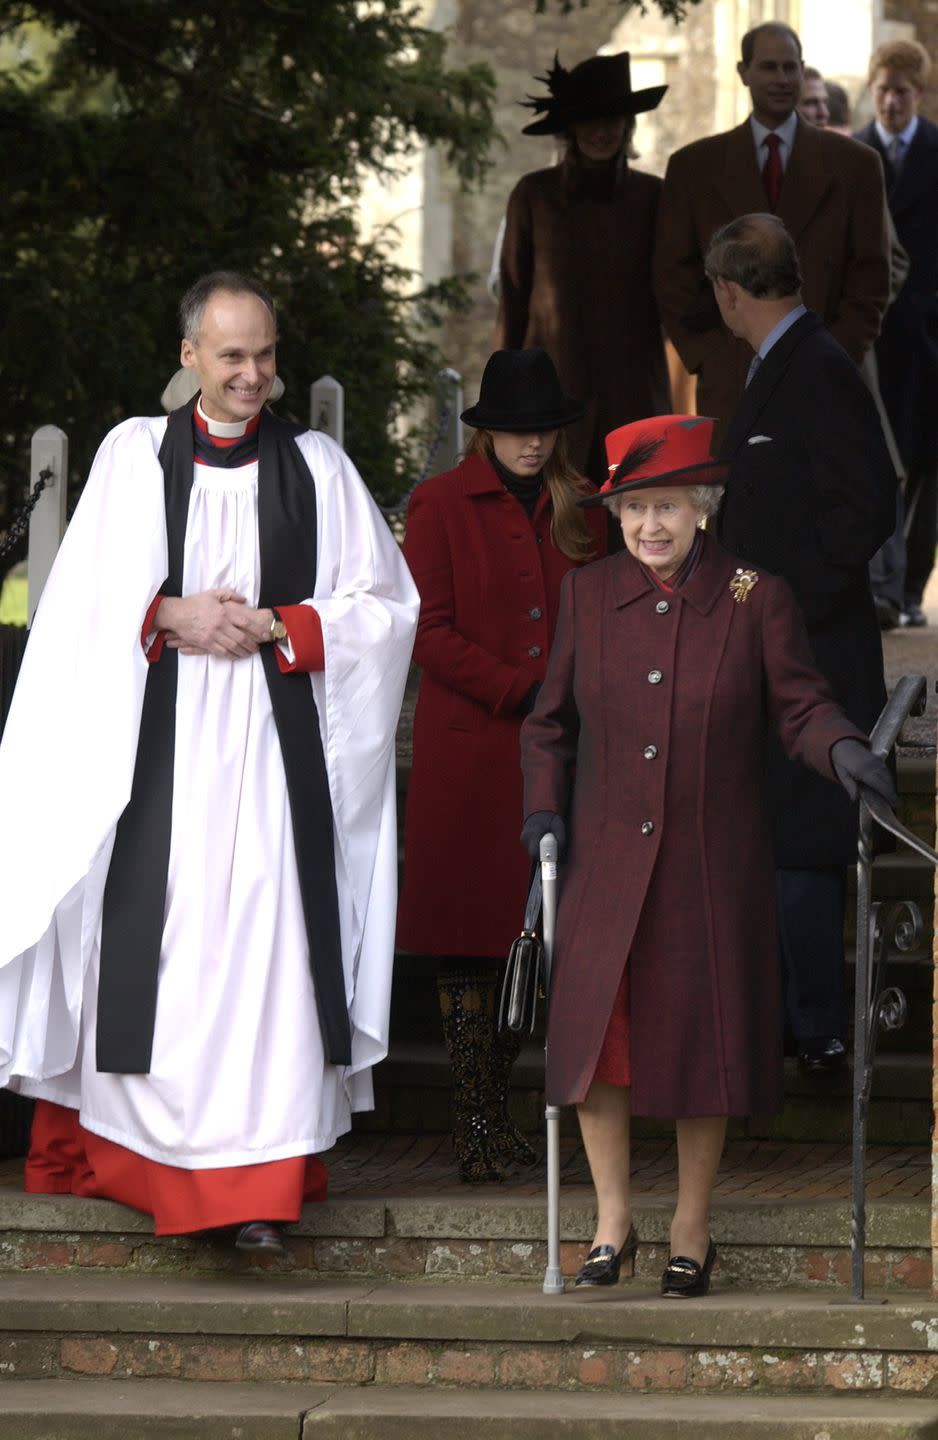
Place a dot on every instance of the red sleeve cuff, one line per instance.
(149, 620)
(304, 631)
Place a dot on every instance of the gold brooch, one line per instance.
(741, 584)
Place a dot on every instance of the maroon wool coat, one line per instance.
(489, 581)
(663, 702)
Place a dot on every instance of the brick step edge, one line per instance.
(768, 1266)
(173, 1410)
(585, 1367)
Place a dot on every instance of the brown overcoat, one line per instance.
(833, 202)
(576, 279)
(661, 704)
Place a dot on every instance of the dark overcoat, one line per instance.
(576, 279)
(489, 580)
(811, 496)
(832, 201)
(907, 349)
(661, 704)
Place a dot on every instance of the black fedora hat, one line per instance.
(593, 89)
(520, 391)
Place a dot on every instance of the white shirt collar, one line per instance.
(785, 133)
(224, 429)
(886, 137)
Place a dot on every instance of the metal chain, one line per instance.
(20, 525)
(436, 442)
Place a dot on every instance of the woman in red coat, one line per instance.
(644, 755)
(488, 545)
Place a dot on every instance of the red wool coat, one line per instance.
(489, 580)
(663, 703)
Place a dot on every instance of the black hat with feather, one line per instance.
(593, 89)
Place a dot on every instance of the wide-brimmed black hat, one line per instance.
(593, 89)
(521, 391)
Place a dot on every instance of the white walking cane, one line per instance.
(553, 1280)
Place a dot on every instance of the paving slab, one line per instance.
(167, 1409)
(416, 1414)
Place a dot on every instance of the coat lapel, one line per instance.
(919, 168)
(757, 395)
(806, 181)
(740, 182)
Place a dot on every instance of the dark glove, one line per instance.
(528, 699)
(855, 765)
(541, 823)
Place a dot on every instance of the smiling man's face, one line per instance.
(773, 77)
(234, 357)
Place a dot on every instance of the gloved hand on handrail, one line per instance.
(855, 765)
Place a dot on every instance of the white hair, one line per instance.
(704, 498)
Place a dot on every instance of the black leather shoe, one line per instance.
(603, 1263)
(886, 612)
(261, 1238)
(913, 616)
(823, 1056)
(684, 1278)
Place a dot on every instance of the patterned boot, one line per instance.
(508, 1144)
(466, 1005)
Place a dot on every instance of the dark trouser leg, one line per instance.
(811, 933)
(921, 509)
(887, 568)
(467, 1008)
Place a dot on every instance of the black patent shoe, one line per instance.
(260, 1238)
(603, 1263)
(825, 1055)
(684, 1278)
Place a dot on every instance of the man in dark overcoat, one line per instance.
(825, 187)
(810, 496)
(907, 350)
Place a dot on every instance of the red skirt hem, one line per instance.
(614, 1065)
(66, 1159)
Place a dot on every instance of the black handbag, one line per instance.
(523, 982)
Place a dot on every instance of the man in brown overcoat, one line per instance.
(823, 186)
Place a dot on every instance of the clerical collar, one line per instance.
(224, 429)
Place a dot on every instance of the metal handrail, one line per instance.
(875, 1007)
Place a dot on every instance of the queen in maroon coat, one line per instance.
(644, 754)
(488, 545)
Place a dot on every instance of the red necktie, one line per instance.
(772, 171)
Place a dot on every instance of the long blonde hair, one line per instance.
(569, 530)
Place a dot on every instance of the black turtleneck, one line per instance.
(525, 488)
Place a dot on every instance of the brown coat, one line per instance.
(576, 280)
(832, 200)
(663, 704)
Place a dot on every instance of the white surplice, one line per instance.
(238, 1074)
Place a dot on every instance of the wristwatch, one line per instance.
(278, 631)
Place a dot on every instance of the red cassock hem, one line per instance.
(149, 620)
(66, 1159)
(614, 1063)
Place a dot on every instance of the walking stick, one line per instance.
(553, 1279)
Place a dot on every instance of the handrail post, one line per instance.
(861, 1010)
(49, 456)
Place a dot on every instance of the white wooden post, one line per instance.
(47, 522)
(450, 406)
(327, 408)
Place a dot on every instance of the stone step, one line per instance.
(508, 1336)
(782, 1222)
(412, 1096)
(171, 1410)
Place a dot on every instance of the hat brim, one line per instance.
(714, 472)
(522, 423)
(636, 102)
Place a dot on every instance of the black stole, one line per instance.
(135, 891)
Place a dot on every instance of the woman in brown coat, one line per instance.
(644, 754)
(575, 270)
(488, 545)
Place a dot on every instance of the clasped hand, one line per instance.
(215, 622)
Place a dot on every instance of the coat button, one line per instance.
(647, 827)
(654, 677)
(662, 607)
(534, 651)
(539, 539)
(650, 752)
(535, 613)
